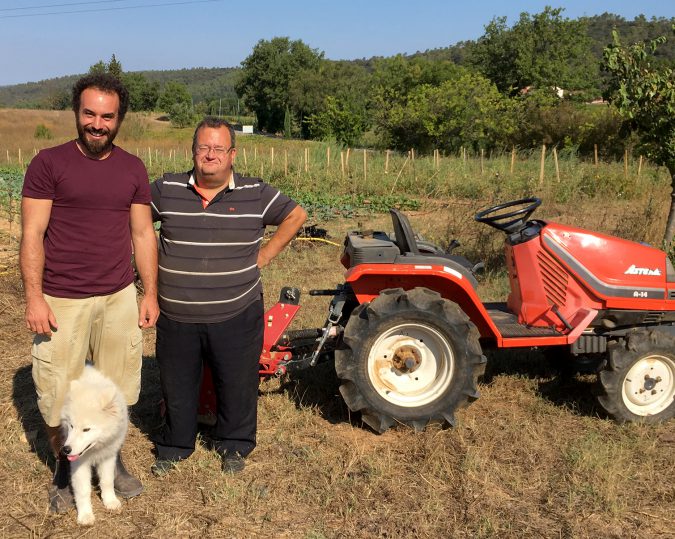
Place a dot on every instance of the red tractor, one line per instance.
(408, 329)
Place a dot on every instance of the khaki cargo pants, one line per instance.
(103, 329)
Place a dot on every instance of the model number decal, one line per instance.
(639, 294)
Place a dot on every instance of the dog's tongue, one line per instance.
(72, 458)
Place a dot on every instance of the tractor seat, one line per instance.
(422, 252)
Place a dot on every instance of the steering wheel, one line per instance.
(509, 221)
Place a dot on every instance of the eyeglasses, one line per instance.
(218, 150)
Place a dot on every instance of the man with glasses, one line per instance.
(210, 293)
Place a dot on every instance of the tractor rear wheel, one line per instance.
(638, 382)
(410, 357)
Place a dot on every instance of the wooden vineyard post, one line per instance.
(482, 155)
(10, 201)
(342, 163)
(557, 169)
(149, 157)
(541, 166)
(245, 160)
(306, 159)
(386, 162)
(20, 159)
(513, 159)
(365, 166)
(639, 168)
(255, 153)
(399, 174)
(347, 159)
(327, 157)
(595, 154)
(272, 158)
(625, 164)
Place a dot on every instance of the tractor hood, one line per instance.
(611, 266)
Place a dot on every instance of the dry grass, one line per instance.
(531, 458)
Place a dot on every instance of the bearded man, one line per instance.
(85, 203)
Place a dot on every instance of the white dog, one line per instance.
(95, 422)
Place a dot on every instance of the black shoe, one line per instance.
(233, 462)
(59, 492)
(162, 467)
(126, 485)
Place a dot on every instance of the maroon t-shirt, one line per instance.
(88, 239)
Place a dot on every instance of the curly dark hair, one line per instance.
(104, 82)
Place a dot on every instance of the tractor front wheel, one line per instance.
(410, 357)
(638, 382)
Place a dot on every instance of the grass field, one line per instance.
(533, 457)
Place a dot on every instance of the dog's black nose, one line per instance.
(66, 450)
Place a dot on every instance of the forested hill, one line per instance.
(217, 84)
(599, 30)
(204, 84)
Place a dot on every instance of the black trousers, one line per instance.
(232, 350)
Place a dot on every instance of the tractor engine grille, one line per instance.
(554, 278)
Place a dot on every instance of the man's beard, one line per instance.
(98, 146)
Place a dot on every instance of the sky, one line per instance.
(42, 39)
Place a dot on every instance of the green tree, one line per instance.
(181, 114)
(337, 121)
(347, 82)
(494, 55)
(466, 110)
(266, 76)
(114, 67)
(645, 95)
(393, 81)
(143, 94)
(544, 50)
(98, 67)
(172, 94)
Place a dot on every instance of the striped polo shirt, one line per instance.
(208, 256)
